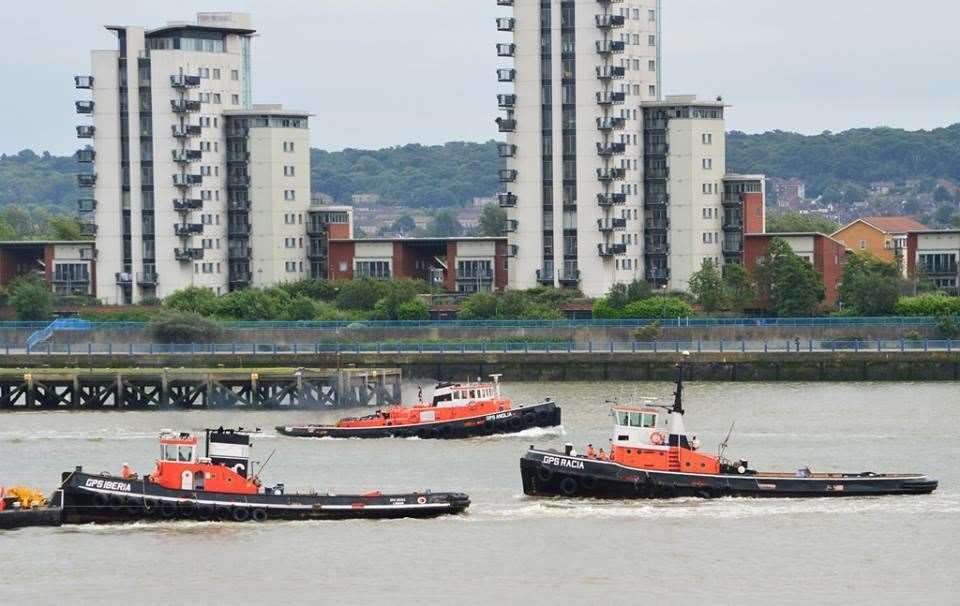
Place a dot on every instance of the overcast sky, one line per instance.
(386, 72)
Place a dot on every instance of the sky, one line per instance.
(379, 73)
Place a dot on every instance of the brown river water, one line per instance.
(509, 548)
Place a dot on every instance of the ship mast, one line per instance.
(678, 394)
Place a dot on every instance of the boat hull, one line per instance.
(551, 473)
(546, 414)
(88, 498)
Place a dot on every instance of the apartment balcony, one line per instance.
(609, 47)
(505, 24)
(656, 224)
(85, 82)
(189, 130)
(655, 124)
(316, 228)
(187, 229)
(608, 124)
(123, 278)
(941, 270)
(507, 175)
(316, 252)
(732, 224)
(609, 72)
(188, 254)
(182, 106)
(88, 229)
(477, 277)
(240, 278)
(506, 150)
(238, 156)
(187, 180)
(570, 277)
(659, 173)
(606, 150)
(610, 98)
(86, 205)
(732, 247)
(185, 205)
(507, 200)
(657, 274)
(182, 81)
(610, 21)
(183, 156)
(506, 101)
(512, 250)
(504, 2)
(545, 276)
(732, 200)
(85, 132)
(510, 226)
(609, 225)
(238, 181)
(611, 199)
(656, 149)
(609, 2)
(611, 174)
(239, 254)
(87, 179)
(238, 230)
(147, 278)
(656, 202)
(506, 125)
(609, 250)
(86, 155)
(656, 248)
(506, 50)
(506, 75)
(238, 205)
(84, 107)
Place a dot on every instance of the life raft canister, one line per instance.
(657, 437)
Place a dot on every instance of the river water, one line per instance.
(509, 548)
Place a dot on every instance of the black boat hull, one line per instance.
(551, 473)
(546, 414)
(102, 498)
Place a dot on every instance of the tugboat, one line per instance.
(458, 410)
(653, 458)
(220, 486)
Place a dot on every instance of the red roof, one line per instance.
(893, 225)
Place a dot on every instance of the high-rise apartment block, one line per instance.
(606, 181)
(192, 184)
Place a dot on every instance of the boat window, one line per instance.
(443, 398)
(185, 453)
(635, 419)
(649, 420)
(473, 393)
(621, 418)
(168, 452)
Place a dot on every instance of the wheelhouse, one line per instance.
(178, 448)
(458, 394)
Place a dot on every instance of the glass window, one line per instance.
(635, 419)
(185, 453)
(649, 420)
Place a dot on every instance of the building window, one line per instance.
(708, 164)
(651, 15)
(234, 74)
(378, 270)
(235, 99)
(216, 74)
(707, 138)
(288, 171)
(289, 194)
(651, 40)
(652, 65)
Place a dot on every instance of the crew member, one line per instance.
(125, 472)
(694, 443)
(611, 452)
(591, 453)
(603, 456)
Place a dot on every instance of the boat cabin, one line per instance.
(223, 468)
(462, 394)
(650, 437)
(640, 427)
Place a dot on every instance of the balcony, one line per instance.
(87, 179)
(504, 2)
(506, 101)
(512, 250)
(610, 98)
(657, 274)
(656, 247)
(607, 124)
(609, 47)
(238, 156)
(85, 132)
(657, 173)
(506, 125)
(507, 200)
(506, 50)
(84, 107)
(506, 75)
(238, 253)
(88, 229)
(510, 226)
(507, 175)
(189, 130)
(609, 250)
(187, 180)
(936, 269)
(181, 81)
(656, 201)
(186, 205)
(570, 277)
(732, 247)
(147, 278)
(188, 254)
(238, 230)
(85, 155)
(656, 224)
(240, 277)
(732, 223)
(655, 124)
(83, 82)
(611, 174)
(609, 72)
(238, 181)
(610, 149)
(656, 149)
(183, 156)
(545, 276)
(506, 150)
(611, 199)
(317, 252)
(86, 205)
(187, 229)
(732, 200)
(124, 277)
(237, 132)
(505, 24)
(609, 225)
(182, 106)
(239, 205)
(609, 21)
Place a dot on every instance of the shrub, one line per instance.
(192, 299)
(658, 307)
(415, 309)
(603, 310)
(479, 306)
(318, 290)
(931, 304)
(299, 308)
(31, 298)
(947, 327)
(650, 332)
(184, 327)
(360, 294)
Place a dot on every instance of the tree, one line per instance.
(415, 309)
(870, 286)
(31, 298)
(493, 220)
(658, 307)
(941, 194)
(620, 295)
(739, 290)
(444, 225)
(796, 288)
(184, 327)
(404, 225)
(795, 222)
(360, 294)
(479, 306)
(944, 213)
(707, 286)
(299, 307)
(192, 299)
(64, 228)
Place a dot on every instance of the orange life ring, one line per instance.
(656, 437)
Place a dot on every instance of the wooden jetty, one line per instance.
(191, 388)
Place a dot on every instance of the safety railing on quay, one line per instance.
(506, 347)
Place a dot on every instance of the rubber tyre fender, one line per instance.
(529, 420)
(240, 514)
(589, 482)
(188, 509)
(258, 515)
(101, 500)
(544, 474)
(543, 418)
(222, 512)
(569, 486)
(150, 506)
(133, 505)
(205, 511)
(423, 434)
(515, 423)
(489, 426)
(443, 432)
(168, 509)
(116, 502)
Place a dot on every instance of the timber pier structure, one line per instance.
(187, 389)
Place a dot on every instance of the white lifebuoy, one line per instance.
(421, 500)
(657, 437)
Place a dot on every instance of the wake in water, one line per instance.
(93, 435)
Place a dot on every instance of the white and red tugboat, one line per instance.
(219, 485)
(457, 410)
(652, 458)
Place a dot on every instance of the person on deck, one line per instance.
(602, 456)
(591, 453)
(125, 472)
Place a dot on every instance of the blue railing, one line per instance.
(59, 324)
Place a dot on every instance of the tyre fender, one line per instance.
(569, 486)
(545, 474)
(258, 515)
(240, 514)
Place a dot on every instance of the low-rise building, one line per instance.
(828, 256)
(882, 237)
(69, 267)
(462, 265)
(934, 254)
